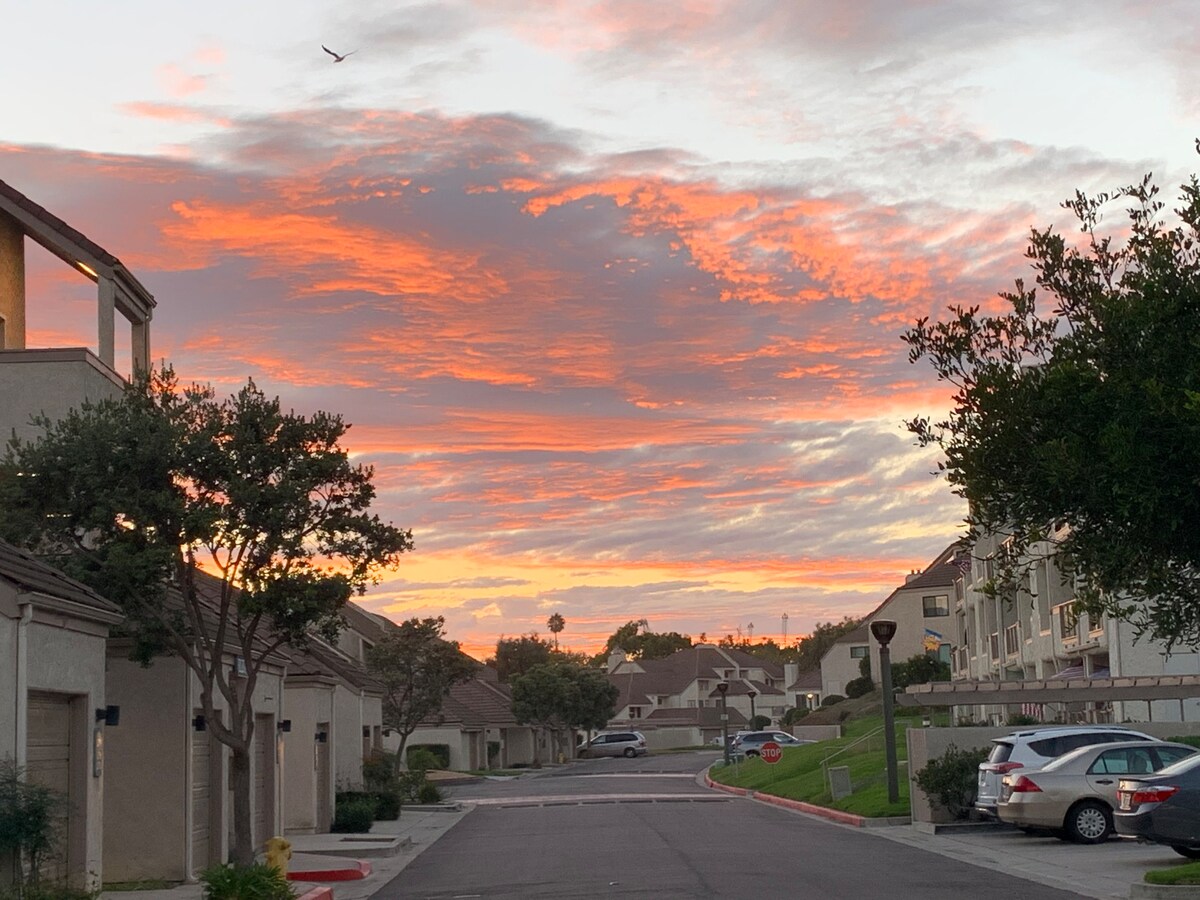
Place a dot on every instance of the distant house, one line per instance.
(54, 710)
(675, 701)
(477, 723)
(920, 607)
(804, 689)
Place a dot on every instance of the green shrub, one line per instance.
(760, 722)
(379, 770)
(256, 882)
(440, 752)
(1018, 719)
(429, 793)
(493, 753)
(832, 699)
(795, 714)
(353, 816)
(1192, 740)
(387, 805)
(29, 823)
(859, 687)
(951, 779)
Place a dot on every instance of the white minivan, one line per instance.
(1033, 748)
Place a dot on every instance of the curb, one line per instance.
(354, 871)
(1160, 891)
(317, 893)
(824, 812)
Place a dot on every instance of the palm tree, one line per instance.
(556, 623)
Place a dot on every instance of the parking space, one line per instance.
(1104, 871)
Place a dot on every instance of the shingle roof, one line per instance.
(806, 681)
(32, 574)
(673, 674)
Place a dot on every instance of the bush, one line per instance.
(795, 714)
(29, 824)
(951, 779)
(1192, 740)
(493, 753)
(387, 806)
(1022, 719)
(439, 753)
(859, 687)
(353, 816)
(379, 770)
(832, 699)
(256, 882)
(760, 723)
(429, 793)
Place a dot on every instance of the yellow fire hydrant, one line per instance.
(279, 851)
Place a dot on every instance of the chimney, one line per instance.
(791, 671)
(615, 658)
(914, 574)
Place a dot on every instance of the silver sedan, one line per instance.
(1074, 795)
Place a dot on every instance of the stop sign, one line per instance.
(770, 752)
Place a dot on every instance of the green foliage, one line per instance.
(493, 753)
(832, 699)
(639, 642)
(417, 667)
(516, 656)
(951, 779)
(1075, 426)
(864, 666)
(859, 687)
(564, 695)
(423, 757)
(811, 647)
(760, 722)
(919, 669)
(1192, 740)
(795, 714)
(1018, 719)
(1187, 873)
(30, 824)
(379, 769)
(55, 891)
(257, 881)
(429, 793)
(387, 805)
(353, 815)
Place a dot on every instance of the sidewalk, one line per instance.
(356, 866)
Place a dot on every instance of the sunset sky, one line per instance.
(610, 291)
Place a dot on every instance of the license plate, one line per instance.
(1126, 801)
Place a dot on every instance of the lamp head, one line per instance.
(752, 693)
(722, 686)
(884, 630)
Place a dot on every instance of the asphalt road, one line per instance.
(644, 828)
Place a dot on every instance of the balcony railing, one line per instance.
(994, 645)
(1068, 622)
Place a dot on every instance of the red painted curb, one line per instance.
(729, 789)
(356, 869)
(317, 893)
(824, 812)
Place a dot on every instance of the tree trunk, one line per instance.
(537, 744)
(242, 851)
(398, 764)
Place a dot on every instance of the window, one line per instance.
(635, 712)
(860, 652)
(702, 684)
(936, 606)
(1123, 762)
(943, 653)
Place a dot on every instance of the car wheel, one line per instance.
(752, 753)
(1089, 822)
(630, 752)
(1189, 852)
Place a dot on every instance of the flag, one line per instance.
(932, 641)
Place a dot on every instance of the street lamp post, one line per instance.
(884, 630)
(809, 698)
(753, 693)
(722, 688)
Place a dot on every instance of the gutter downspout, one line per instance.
(21, 731)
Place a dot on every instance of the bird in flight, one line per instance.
(337, 57)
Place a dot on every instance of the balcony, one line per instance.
(994, 645)
(1012, 640)
(1068, 623)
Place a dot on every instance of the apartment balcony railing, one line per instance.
(1068, 623)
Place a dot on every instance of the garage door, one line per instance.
(201, 798)
(264, 774)
(48, 763)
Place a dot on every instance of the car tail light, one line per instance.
(1003, 768)
(1025, 785)
(1154, 794)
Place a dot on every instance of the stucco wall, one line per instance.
(347, 738)
(305, 706)
(50, 381)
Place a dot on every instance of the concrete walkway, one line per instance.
(383, 853)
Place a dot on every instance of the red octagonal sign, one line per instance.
(770, 752)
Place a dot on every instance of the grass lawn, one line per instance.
(1185, 874)
(799, 776)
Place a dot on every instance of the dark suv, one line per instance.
(747, 744)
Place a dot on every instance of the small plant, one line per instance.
(379, 769)
(255, 882)
(832, 699)
(429, 793)
(353, 816)
(952, 778)
(425, 757)
(387, 805)
(29, 826)
(795, 714)
(1022, 719)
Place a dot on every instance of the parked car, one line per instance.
(1074, 795)
(1163, 808)
(1034, 747)
(615, 743)
(748, 744)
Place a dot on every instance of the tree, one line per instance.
(417, 668)
(516, 656)
(563, 695)
(133, 496)
(639, 642)
(811, 647)
(556, 623)
(1075, 433)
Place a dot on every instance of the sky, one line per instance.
(611, 292)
